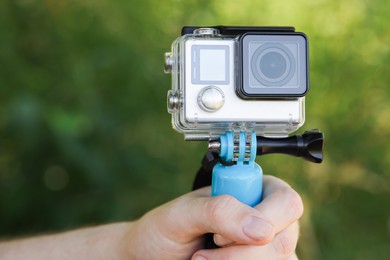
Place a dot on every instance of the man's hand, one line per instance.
(175, 230)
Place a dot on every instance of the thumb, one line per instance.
(195, 214)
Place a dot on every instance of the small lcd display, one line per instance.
(210, 64)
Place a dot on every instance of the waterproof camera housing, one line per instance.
(237, 79)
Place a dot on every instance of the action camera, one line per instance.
(238, 79)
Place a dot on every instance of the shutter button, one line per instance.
(211, 99)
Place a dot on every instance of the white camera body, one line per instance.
(252, 80)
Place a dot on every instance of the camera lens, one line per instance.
(273, 64)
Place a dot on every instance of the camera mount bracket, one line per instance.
(242, 180)
(237, 146)
(236, 173)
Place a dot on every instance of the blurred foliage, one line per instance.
(85, 137)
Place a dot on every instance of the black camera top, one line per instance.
(239, 30)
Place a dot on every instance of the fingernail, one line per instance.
(199, 257)
(257, 228)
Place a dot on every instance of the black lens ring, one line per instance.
(259, 54)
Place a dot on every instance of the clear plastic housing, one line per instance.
(203, 100)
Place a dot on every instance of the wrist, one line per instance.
(102, 242)
(111, 240)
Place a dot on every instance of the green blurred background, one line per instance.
(85, 137)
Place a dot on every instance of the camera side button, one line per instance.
(211, 99)
(168, 62)
(206, 31)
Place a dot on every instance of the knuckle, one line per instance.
(217, 207)
(294, 201)
(285, 244)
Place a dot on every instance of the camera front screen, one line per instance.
(274, 65)
(210, 64)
